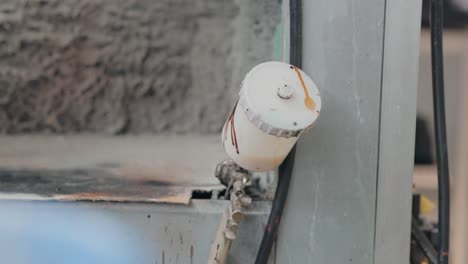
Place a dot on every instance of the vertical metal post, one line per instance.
(342, 181)
(397, 131)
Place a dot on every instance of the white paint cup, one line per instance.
(278, 103)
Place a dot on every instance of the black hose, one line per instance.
(423, 242)
(286, 168)
(436, 21)
(271, 229)
(295, 33)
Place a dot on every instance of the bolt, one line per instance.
(285, 92)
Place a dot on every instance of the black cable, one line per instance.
(295, 33)
(423, 242)
(271, 229)
(286, 168)
(436, 21)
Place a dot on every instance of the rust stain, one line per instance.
(277, 223)
(91, 196)
(233, 129)
(183, 198)
(161, 175)
(127, 184)
(146, 184)
(308, 101)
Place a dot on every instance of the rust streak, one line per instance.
(191, 254)
(233, 132)
(308, 101)
(87, 196)
(163, 258)
(230, 121)
(232, 129)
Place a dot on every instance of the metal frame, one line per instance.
(397, 131)
(350, 194)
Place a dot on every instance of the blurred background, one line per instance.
(456, 92)
(138, 66)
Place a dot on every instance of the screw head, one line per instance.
(285, 92)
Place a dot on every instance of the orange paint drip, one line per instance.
(233, 134)
(233, 131)
(308, 101)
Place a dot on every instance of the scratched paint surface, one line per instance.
(330, 210)
(99, 168)
(124, 233)
(90, 185)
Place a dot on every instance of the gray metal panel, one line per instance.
(397, 131)
(161, 234)
(330, 212)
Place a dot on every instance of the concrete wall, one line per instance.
(128, 66)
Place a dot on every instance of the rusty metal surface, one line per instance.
(92, 185)
(160, 169)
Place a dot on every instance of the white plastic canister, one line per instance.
(277, 104)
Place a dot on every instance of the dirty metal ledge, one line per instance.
(145, 168)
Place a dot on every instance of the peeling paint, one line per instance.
(90, 185)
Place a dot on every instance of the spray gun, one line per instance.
(277, 104)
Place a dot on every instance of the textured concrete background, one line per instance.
(128, 66)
